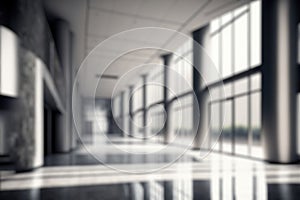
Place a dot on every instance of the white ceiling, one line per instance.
(94, 21)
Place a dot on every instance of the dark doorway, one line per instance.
(48, 130)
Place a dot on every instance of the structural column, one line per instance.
(121, 122)
(62, 37)
(279, 58)
(168, 189)
(166, 61)
(144, 77)
(130, 127)
(200, 102)
(28, 152)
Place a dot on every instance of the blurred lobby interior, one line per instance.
(149, 99)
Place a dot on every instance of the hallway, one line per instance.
(149, 99)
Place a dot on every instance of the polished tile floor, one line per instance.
(113, 174)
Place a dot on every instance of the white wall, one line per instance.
(8, 62)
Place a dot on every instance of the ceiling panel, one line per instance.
(156, 8)
(105, 4)
(129, 6)
(109, 17)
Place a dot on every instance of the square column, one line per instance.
(130, 126)
(167, 134)
(144, 77)
(200, 103)
(279, 58)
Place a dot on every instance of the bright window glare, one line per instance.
(235, 47)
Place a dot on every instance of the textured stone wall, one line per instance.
(27, 19)
(28, 140)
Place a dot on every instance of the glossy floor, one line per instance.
(81, 175)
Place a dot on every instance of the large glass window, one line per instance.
(241, 40)
(137, 96)
(180, 75)
(138, 125)
(215, 125)
(255, 33)
(241, 125)
(235, 48)
(235, 39)
(155, 83)
(156, 119)
(181, 122)
(256, 149)
(155, 113)
(227, 130)
(116, 106)
(226, 33)
(180, 78)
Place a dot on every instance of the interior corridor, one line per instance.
(149, 99)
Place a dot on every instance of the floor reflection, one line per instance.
(218, 177)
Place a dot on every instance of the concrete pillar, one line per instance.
(28, 148)
(166, 61)
(279, 57)
(147, 190)
(130, 127)
(122, 115)
(74, 135)
(62, 37)
(168, 189)
(200, 103)
(144, 77)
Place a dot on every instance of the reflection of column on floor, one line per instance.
(236, 178)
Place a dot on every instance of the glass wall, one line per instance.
(235, 40)
(138, 125)
(137, 96)
(137, 106)
(235, 49)
(95, 115)
(116, 106)
(180, 77)
(180, 74)
(156, 120)
(181, 123)
(227, 131)
(155, 83)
